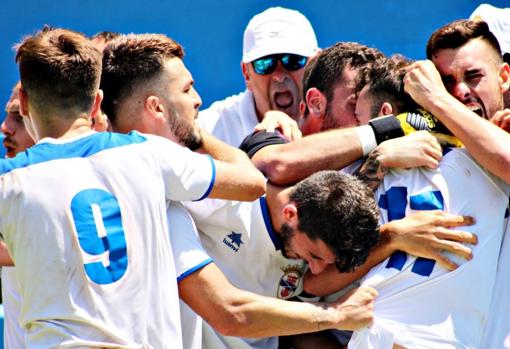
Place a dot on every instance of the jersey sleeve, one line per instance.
(187, 175)
(189, 255)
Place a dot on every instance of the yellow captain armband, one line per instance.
(421, 119)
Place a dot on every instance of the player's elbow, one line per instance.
(279, 170)
(233, 323)
(259, 185)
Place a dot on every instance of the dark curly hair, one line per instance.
(340, 210)
(385, 81)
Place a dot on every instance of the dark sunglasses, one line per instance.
(267, 65)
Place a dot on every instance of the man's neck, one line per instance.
(276, 199)
(59, 127)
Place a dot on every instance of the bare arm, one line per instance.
(234, 312)
(486, 142)
(236, 177)
(423, 234)
(285, 164)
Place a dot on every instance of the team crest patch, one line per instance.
(233, 241)
(289, 282)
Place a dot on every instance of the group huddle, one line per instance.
(344, 199)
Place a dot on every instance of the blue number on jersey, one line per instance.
(97, 217)
(395, 202)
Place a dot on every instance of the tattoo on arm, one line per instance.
(372, 172)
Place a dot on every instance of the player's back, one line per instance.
(421, 304)
(85, 221)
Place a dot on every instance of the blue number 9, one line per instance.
(98, 222)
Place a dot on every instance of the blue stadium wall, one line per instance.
(211, 31)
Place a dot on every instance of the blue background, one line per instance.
(211, 31)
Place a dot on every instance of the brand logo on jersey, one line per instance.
(289, 282)
(233, 241)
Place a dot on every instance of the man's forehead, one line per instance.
(178, 71)
(475, 54)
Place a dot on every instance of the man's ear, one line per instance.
(155, 108)
(386, 109)
(290, 214)
(246, 75)
(316, 102)
(96, 107)
(23, 102)
(504, 77)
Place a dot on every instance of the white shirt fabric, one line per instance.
(496, 333)
(85, 222)
(14, 336)
(189, 257)
(231, 119)
(240, 239)
(498, 20)
(420, 304)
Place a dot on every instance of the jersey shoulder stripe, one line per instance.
(83, 147)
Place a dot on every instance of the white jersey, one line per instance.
(420, 304)
(85, 222)
(240, 239)
(14, 336)
(231, 119)
(497, 328)
(189, 257)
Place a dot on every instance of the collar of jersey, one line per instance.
(66, 140)
(81, 146)
(269, 226)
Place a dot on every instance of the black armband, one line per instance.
(260, 139)
(386, 127)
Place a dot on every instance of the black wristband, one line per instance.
(386, 127)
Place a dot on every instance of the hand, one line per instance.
(424, 84)
(277, 120)
(414, 150)
(502, 119)
(426, 234)
(356, 308)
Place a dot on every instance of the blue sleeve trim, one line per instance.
(213, 179)
(194, 269)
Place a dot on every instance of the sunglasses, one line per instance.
(267, 65)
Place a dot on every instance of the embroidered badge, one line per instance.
(290, 281)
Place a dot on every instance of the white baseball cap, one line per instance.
(498, 20)
(278, 30)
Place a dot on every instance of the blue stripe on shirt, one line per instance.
(194, 269)
(213, 179)
(81, 148)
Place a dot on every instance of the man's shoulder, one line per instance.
(233, 107)
(230, 103)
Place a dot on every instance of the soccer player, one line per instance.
(230, 228)
(83, 213)
(16, 140)
(475, 77)
(421, 303)
(164, 102)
